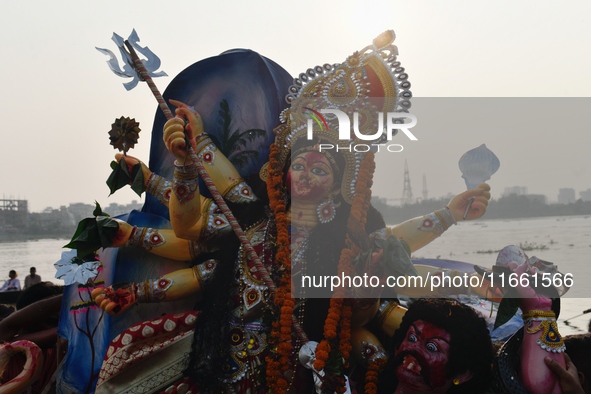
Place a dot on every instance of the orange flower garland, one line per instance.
(338, 320)
(345, 333)
(280, 331)
(371, 376)
(338, 308)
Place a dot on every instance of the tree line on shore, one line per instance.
(510, 207)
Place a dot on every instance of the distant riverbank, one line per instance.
(24, 236)
(511, 207)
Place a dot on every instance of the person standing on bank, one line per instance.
(33, 278)
(12, 284)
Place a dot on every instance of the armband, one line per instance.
(384, 310)
(550, 339)
(438, 221)
(389, 316)
(216, 222)
(239, 192)
(371, 352)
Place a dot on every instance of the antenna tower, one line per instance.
(407, 190)
(425, 191)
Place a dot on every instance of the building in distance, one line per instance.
(566, 195)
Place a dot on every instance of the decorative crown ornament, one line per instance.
(368, 84)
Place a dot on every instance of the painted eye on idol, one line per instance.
(297, 167)
(319, 171)
(432, 347)
(412, 338)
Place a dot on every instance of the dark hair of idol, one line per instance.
(470, 346)
(210, 350)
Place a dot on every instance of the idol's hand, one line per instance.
(115, 299)
(568, 376)
(476, 198)
(529, 298)
(186, 126)
(131, 162)
(123, 233)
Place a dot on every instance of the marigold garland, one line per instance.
(339, 315)
(280, 333)
(371, 375)
(345, 333)
(338, 312)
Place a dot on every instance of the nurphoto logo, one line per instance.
(395, 121)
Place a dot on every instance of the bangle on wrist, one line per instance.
(152, 290)
(205, 149)
(186, 170)
(185, 181)
(146, 238)
(159, 187)
(203, 141)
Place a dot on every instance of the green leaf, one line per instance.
(86, 240)
(138, 185)
(119, 176)
(507, 307)
(98, 211)
(107, 229)
(93, 233)
(80, 233)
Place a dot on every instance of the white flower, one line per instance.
(71, 271)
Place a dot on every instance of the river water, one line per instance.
(565, 241)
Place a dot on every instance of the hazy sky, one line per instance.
(58, 98)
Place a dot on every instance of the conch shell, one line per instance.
(478, 165)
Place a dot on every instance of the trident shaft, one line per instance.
(141, 73)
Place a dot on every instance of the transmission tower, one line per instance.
(407, 190)
(425, 192)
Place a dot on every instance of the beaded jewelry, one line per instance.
(327, 210)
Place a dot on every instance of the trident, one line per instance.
(140, 70)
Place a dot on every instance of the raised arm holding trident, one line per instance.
(138, 70)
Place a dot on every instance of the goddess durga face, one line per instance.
(310, 177)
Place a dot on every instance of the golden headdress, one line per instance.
(371, 82)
